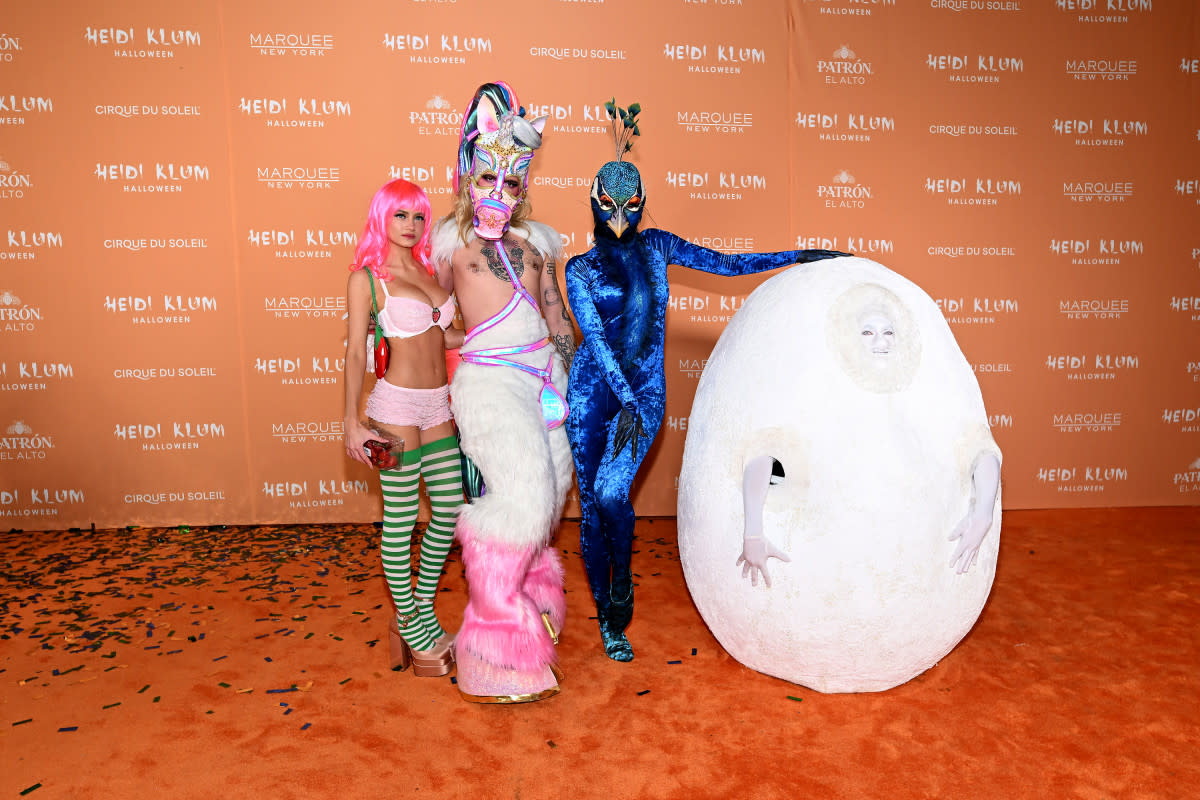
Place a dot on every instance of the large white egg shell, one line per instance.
(878, 453)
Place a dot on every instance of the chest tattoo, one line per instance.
(516, 257)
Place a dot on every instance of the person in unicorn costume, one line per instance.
(507, 398)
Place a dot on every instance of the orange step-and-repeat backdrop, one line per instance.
(182, 187)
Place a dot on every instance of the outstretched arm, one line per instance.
(756, 547)
(682, 252)
(579, 292)
(985, 483)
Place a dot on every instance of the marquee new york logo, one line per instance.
(714, 120)
(291, 44)
(306, 177)
(1102, 69)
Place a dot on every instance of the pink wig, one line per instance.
(372, 250)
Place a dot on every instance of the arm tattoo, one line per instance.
(552, 296)
(565, 345)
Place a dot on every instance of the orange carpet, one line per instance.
(251, 663)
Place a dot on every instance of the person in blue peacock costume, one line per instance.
(617, 390)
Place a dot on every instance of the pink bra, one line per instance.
(404, 317)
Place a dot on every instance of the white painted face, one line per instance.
(874, 338)
(878, 333)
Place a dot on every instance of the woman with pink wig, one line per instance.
(392, 273)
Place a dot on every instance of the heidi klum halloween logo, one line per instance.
(164, 309)
(1105, 11)
(437, 48)
(719, 58)
(33, 376)
(42, 501)
(1092, 366)
(717, 186)
(307, 244)
(159, 177)
(1184, 420)
(974, 67)
(298, 370)
(169, 436)
(145, 43)
(1092, 479)
(865, 246)
(313, 493)
(1189, 307)
(977, 310)
(704, 307)
(1097, 252)
(973, 191)
(435, 180)
(1188, 188)
(848, 8)
(27, 245)
(586, 118)
(15, 109)
(295, 112)
(845, 126)
(1108, 132)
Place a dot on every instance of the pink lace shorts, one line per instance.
(396, 405)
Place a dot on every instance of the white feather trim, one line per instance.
(445, 239)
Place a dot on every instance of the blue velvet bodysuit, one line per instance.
(618, 292)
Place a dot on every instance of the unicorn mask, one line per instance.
(497, 153)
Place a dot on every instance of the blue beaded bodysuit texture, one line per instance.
(617, 390)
